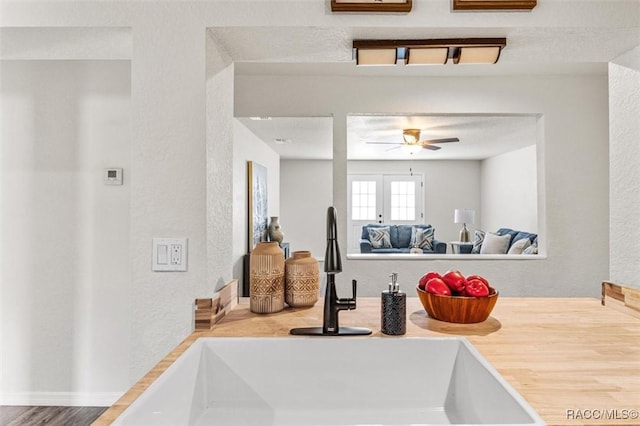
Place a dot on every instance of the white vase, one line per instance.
(274, 231)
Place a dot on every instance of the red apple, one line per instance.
(426, 277)
(437, 286)
(455, 280)
(476, 288)
(478, 277)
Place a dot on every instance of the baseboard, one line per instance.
(62, 399)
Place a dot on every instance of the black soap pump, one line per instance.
(394, 308)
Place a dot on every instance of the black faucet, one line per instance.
(332, 304)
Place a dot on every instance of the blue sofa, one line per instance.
(515, 236)
(400, 236)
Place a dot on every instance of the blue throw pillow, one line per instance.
(520, 235)
(507, 231)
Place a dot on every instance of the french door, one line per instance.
(381, 198)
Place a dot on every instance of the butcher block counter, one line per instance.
(574, 360)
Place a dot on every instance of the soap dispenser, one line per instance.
(394, 308)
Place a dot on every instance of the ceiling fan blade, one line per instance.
(432, 147)
(443, 140)
(386, 143)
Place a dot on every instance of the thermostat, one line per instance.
(113, 176)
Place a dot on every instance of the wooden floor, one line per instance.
(64, 416)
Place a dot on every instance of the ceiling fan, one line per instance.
(412, 138)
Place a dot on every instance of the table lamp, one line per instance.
(464, 216)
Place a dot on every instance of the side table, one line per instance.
(457, 247)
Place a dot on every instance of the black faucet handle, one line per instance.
(349, 302)
(354, 287)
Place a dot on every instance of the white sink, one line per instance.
(330, 381)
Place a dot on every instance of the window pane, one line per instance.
(363, 200)
(402, 200)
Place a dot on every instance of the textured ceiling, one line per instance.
(481, 136)
(530, 45)
(295, 137)
(557, 37)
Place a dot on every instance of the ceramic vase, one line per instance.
(274, 231)
(302, 279)
(266, 287)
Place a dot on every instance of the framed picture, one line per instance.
(258, 203)
(494, 4)
(402, 6)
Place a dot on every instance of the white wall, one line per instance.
(65, 312)
(306, 191)
(169, 193)
(219, 170)
(509, 191)
(573, 163)
(624, 134)
(248, 147)
(448, 185)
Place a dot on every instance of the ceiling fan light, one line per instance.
(411, 136)
(427, 56)
(477, 55)
(376, 57)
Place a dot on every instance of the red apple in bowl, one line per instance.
(422, 283)
(455, 280)
(476, 288)
(478, 277)
(437, 286)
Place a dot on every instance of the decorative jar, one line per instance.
(302, 279)
(266, 275)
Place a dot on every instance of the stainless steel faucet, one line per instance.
(332, 304)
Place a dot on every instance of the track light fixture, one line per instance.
(428, 51)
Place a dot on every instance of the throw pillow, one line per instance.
(422, 238)
(495, 244)
(478, 238)
(532, 249)
(508, 231)
(380, 237)
(519, 246)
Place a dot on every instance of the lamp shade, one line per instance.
(477, 55)
(427, 56)
(376, 56)
(464, 216)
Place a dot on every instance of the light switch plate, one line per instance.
(112, 176)
(169, 255)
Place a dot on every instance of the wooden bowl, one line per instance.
(458, 309)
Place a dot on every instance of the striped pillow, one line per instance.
(422, 238)
(380, 237)
(532, 249)
(478, 239)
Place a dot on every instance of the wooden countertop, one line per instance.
(566, 356)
